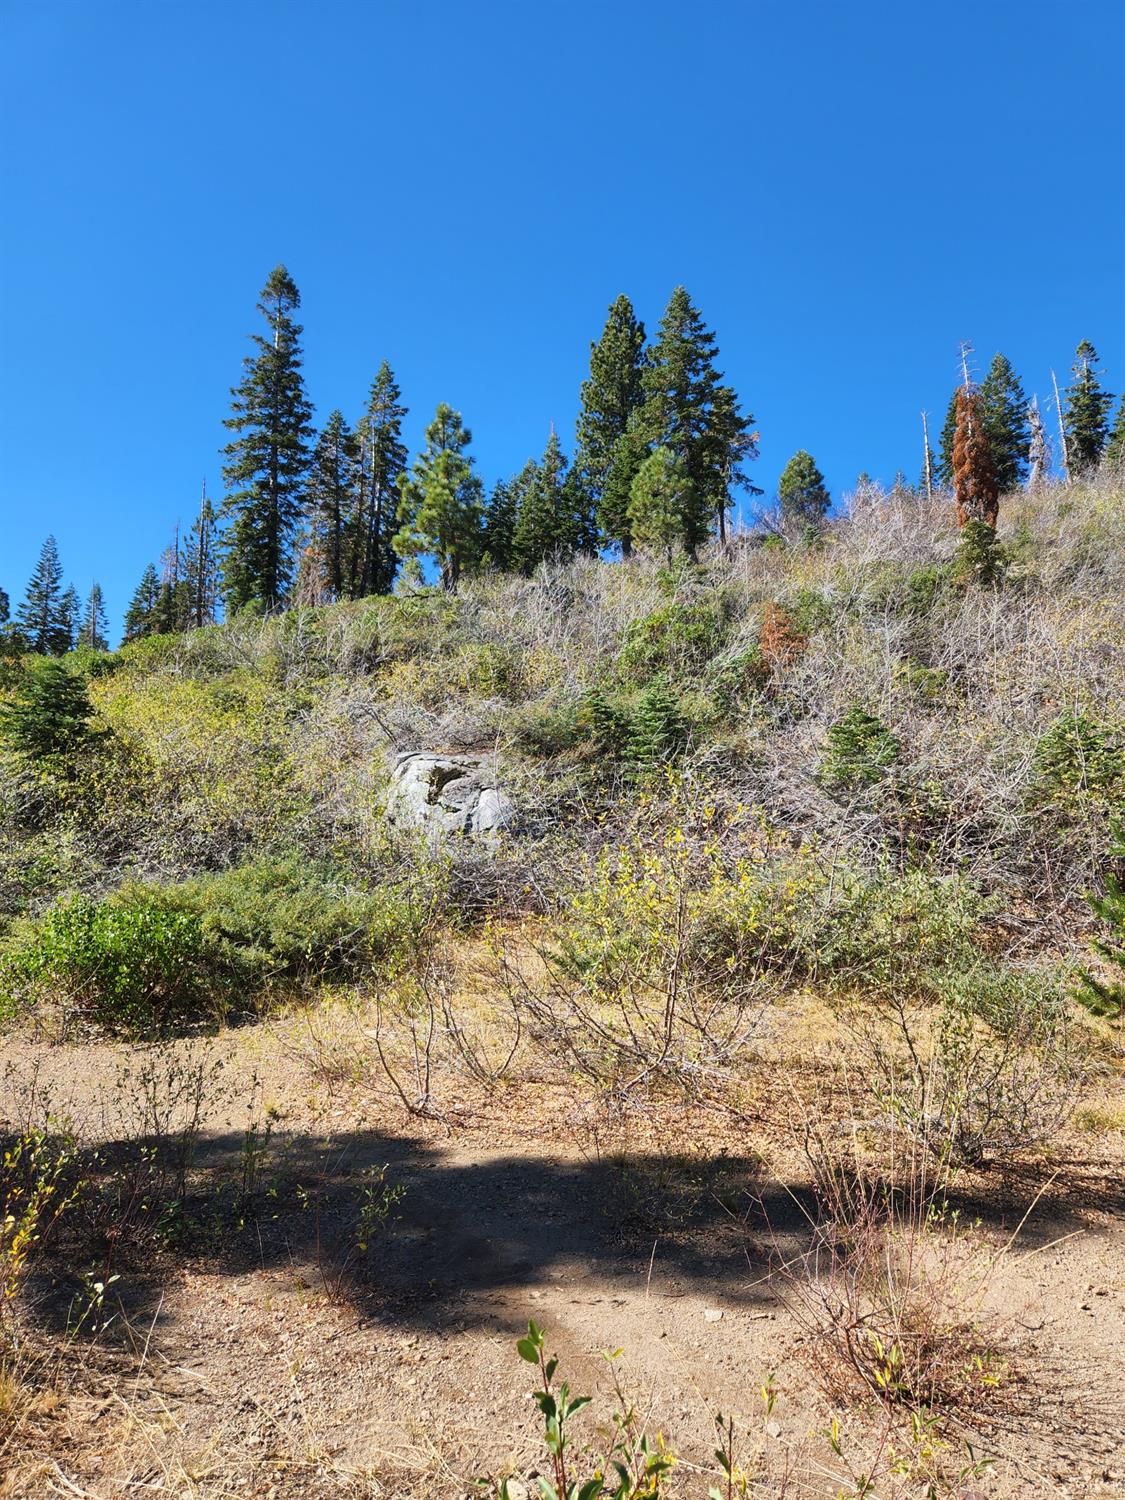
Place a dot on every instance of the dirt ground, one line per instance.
(263, 1353)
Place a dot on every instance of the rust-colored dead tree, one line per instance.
(974, 474)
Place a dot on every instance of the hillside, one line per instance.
(748, 1029)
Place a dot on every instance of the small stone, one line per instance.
(773, 1429)
(713, 1314)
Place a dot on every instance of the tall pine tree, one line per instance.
(1005, 423)
(500, 526)
(43, 619)
(94, 630)
(1115, 448)
(802, 492)
(440, 506)
(661, 498)
(382, 462)
(201, 566)
(329, 493)
(1086, 419)
(945, 444)
(689, 411)
(266, 462)
(611, 397)
(142, 615)
(544, 524)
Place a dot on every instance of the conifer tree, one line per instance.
(1038, 448)
(801, 490)
(266, 462)
(499, 526)
(1086, 419)
(440, 506)
(381, 464)
(94, 630)
(1005, 423)
(141, 618)
(945, 444)
(975, 488)
(42, 619)
(1115, 449)
(543, 525)
(660, 503)
(201, 566)
(72, 615)
(688, 411)
(5, 607)
(611, 397)
(735, 445)
(329, 491)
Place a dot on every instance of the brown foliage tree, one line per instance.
(975, 487)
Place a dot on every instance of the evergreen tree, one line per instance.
(1086, 419)
(329, 496)
(945, 444)
(42, 619)
(49, 712)
(94, 630)
(266, 462)
(440, 507)
(688, 411)
(201, 567)
(629, 453)
(5, 607)
(1038, 448)
(661, 502)
(611, 397)
(801, 490)
(373, 560)
(71, 615)
(1115, 448)
(142, 618)
(735, 444)
(543, 525)
(1005, 423)
(500, 526)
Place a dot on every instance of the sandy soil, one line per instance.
(273, 1358)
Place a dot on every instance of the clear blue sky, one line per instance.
(846, 191)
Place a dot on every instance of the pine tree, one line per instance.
(801, 490)
(42, 619)
(1038, 448)
(611, 397)
(1086, 419)
(201, 566)
(141, 618)
(373, 560)
(945, 444)
(1114, 456)
(661, 502)
(329, 491)
(48, 715)
(5, 607)
(72, 615)
(440, 506)
(94, 629)
(1005, 423)
(266, 462)
(499, 527)
(543, 525)
(736, 445)
(688, 410)
(975, 489)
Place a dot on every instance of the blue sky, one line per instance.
(846, 191)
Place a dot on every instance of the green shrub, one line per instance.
(860, 748)
(678, 640)
(602, 723)
(1106, 996)
(134, 967)
(926, 585)
(809, 611)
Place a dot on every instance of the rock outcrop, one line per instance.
(448, 794)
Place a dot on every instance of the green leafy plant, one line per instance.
(860, 749)
(677, 640)
(1105, 997)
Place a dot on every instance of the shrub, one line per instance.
(1106, 996)
(678, 640)
(860, 748)
(980, 557)
(780, 641)
(925, 586)
(135, 966)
